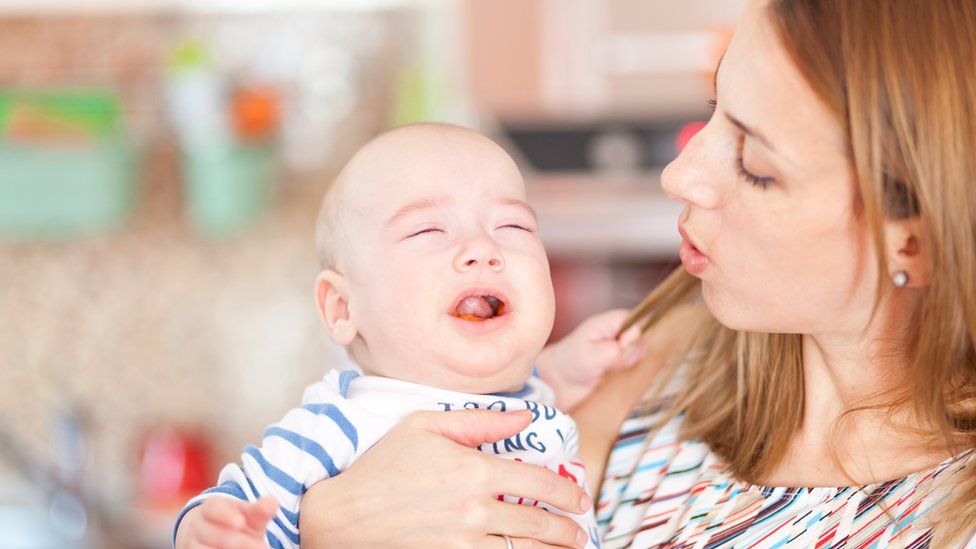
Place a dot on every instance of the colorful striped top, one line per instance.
(660, 491)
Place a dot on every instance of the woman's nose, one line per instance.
(479, 252)
(692, 177)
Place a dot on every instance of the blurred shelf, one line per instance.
(57, 7)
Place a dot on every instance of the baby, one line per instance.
(436, 282)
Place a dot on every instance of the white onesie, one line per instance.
(343, 415)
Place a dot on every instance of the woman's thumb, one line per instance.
(474, 427)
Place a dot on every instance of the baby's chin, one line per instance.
(483, 378)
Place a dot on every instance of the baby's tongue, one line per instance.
(475, 305)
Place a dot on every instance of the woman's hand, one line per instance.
(574, 365)
(424, 485)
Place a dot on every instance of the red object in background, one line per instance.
(255, 112)
(173, 467)
(685, 134)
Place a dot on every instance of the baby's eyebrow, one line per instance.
(428, 203)
(519, 203)
(422, 204)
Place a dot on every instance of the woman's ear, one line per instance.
(332, 297)
(907, 250)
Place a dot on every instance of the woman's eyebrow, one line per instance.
(743, 127)
(752, 132)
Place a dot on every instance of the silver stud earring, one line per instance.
(900, 279)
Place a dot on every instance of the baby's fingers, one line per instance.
(258, 514)
(604, 326)
(630, 336)
(224, 511)
(221, 537)
(633, 353)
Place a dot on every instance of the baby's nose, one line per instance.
(493, 262)
(480, 252)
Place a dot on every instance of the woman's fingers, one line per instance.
(475, 427)
(445, 493)
(472, 427)
(498, 542)
(535, 523)
(535, 482)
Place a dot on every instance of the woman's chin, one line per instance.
(730, 315)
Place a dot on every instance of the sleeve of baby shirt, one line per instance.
(311, 443)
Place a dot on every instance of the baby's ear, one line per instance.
(332, 297)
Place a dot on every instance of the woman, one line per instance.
(812, 374)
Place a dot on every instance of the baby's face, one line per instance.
(448, 281)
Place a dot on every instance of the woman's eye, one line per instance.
(756, 180)
(759, 181)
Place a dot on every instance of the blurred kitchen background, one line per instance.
(161, 163)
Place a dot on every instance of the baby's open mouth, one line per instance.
(479, 308)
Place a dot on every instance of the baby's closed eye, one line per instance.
(518, 226)
(428, 230)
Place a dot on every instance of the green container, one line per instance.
(228, 188)
(95, 113)
(63, 191)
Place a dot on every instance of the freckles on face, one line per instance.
(790, 256)
(800, 267)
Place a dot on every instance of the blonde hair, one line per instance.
(900, 76)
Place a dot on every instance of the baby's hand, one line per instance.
(225, 523)
(574, 365)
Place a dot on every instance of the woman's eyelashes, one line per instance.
(759, 181)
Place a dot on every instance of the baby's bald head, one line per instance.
(385, 161)
(428, 246)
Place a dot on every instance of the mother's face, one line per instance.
(769, 195)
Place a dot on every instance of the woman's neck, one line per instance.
(857, 366)
(844, 371)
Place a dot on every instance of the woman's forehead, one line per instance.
(760, 85)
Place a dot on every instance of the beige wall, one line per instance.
(594, 59)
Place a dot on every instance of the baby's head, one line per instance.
(433, 271)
